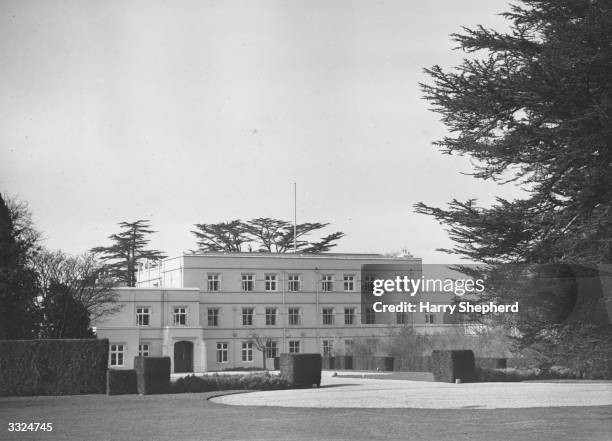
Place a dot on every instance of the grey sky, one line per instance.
(196, 112)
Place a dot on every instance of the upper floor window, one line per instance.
(213, 316)
(370, 316)
(294, 316)
(117, 352)
(179, 316)
(271, 316)
(327, 282)
(143, 316)
(271, 281)
(247, 316)
(248, 282)
(349, 316)
(328, 316)
(349, 282)
(294, 282)
(214, 282)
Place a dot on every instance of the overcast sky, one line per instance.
(190, 112)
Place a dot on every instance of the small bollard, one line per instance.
(457, 380)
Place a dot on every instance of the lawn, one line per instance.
(193, 417)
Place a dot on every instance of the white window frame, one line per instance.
(349, 282)
(176, 314)
(349, 316)
(271, 282)
(247, 282)
(294, 346)
(215, 316)
(116, 354)
(213, 282)
(328, 317)
(247, 352)
(247, 314)
(271, 349)
(222, 352)
(293, 284)
(272, 314)
(327, 283)
(144, 349)
(297, 316)
(328, 347)
(141, 314)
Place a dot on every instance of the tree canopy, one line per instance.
(533, 107)
(262, 235)
(128, 247)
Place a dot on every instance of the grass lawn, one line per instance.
(193, 417)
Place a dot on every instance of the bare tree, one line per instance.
(261, 343)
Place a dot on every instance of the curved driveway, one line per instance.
(375, 393)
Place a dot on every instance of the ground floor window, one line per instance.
(222, 352)
(327, 348)
(247, 351)
(143, 349)
(271, 349)
(294, 347)
(117, 352)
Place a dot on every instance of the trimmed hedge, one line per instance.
(208, 383)
(416, 363)
(152, 375)
(449, 366)
(121, 382)
(301, 370)
(514, 375)
(490, 363)
(53, 367)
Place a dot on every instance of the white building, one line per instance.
(202, 309)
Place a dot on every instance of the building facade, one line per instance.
(221, 311)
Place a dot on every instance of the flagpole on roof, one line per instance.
(295, 217)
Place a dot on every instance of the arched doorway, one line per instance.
(183, 356)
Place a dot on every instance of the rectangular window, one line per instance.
(294, 282)
(270, 316)
(401, 318)
(327, 348)
(328, 316)
(327, 283)
(214, 282)
(271, 349)
(117, 352)
(247, 316)
(248, 282)
(430, 318)
(349, 346)
(294, 316)
(370, 316)
(247, 351)
(271, 280)
(368, 284)
(294, 347)
(349, 282)
(143, 316)
(349, 316)
(213, 316)
(222, 352)
(180, 316)
(143, 349)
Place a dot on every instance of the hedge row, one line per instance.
(215, 382)
(524, 374)
(448, 366)
(53, 367)
(152, 375)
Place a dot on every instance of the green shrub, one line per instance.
(490, 363)
(301, 370)
(525, 374)
(121, 381)
(53, 367)
(152, 374)
(209, 383)
(449, 366)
